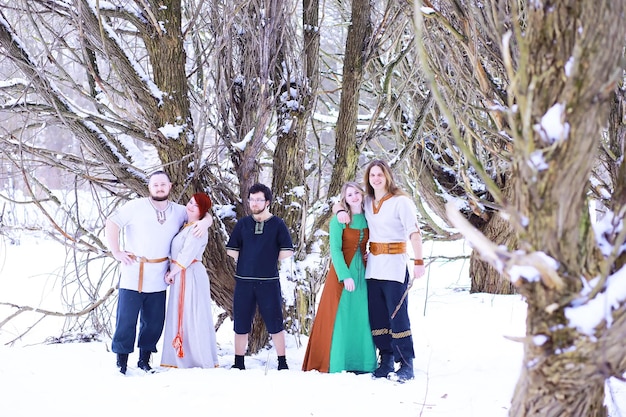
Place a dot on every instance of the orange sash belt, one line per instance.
(177, 343)
(142, 260)
(392, 248)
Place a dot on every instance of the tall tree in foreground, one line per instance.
(563, 63)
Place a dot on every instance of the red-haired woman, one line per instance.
(189, 338)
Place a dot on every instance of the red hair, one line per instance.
(204, 203)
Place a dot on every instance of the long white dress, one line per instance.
(196, 328)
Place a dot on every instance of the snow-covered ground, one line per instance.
(465, 365)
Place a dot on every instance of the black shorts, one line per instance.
(267, 295)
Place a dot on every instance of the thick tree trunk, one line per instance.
(484, 277)
(167, 58)
(614, 162)
(221, 270)
(289, 176)
(563, 370)
(567, 386)
(346, 142)
(617, 141)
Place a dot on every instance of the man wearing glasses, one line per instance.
(256, 244)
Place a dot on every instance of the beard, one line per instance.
(257, 211)
(159, 198)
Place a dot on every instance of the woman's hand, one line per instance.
(348, 284)
(169, 278)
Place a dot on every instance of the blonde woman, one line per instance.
(341, 338)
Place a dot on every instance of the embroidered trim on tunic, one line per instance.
(160, 214)
(401, 335)
(380, 332)
(376, 207)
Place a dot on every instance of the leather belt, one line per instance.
(392, 248)
(142, 260)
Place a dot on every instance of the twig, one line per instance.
(427, 382)
(22, 309)
(267, 362)
(406, 292)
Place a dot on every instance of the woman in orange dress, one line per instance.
(341, 337)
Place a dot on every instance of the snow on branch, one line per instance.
(587, 314)
(553, 127)
(513, 265)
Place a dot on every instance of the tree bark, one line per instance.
(561, 375)
(295, 104)
(484, 277)
(347, 146)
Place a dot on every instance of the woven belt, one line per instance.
(177, 342)
(142, 260)
(392, 248)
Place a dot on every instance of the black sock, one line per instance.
(239, 362)
(282, 362)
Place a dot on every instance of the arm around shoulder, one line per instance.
(337, 207)
(202, 226)
(342, 214)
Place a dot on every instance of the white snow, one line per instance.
(465, 366)
(553, 127)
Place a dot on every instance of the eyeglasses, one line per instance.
(256, 200)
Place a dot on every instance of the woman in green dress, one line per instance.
(341, 337)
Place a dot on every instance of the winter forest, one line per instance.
(505, 120)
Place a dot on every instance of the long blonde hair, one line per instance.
(344, 190)
(392, 187)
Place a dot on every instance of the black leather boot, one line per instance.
(385, 367)
(122, 362)
(405, 373)
(144, 360)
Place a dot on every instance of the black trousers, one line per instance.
(149, 308)
(391, 335)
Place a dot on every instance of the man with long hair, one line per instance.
(392, 221)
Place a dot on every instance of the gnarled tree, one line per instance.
(562, 60)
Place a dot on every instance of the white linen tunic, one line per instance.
(143, 235)
(395, 221)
